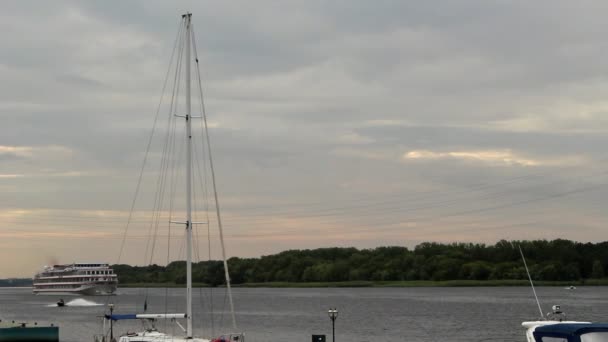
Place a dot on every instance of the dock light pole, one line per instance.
(111, 325)
(333, 314)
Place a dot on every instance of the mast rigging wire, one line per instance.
(531, 282)
(141, 172)
(217, 204)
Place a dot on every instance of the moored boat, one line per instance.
(186, 44)
(557, 329)
(544, 331)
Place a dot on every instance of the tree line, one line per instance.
(556, 260)
(15, 282)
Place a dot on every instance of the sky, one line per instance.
(332, 123)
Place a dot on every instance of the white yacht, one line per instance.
(557, 329)
(80, 279)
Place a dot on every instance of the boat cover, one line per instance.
(117, 317)
(569, 331)
(121, 317)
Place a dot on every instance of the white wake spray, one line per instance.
(78, 302)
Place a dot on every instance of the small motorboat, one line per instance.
(61, 302)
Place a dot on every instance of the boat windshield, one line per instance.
(595, 337)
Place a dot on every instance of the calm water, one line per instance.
(366, 314)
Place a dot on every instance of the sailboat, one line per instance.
(150, 333)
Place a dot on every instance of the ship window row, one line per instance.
(70, 286)
(61, 286)
(100, 272)
(74, 279)
(91, 265)
(85, 272)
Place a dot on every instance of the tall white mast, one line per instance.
(188, 17)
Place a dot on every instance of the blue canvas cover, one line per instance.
(569, 331)
(121, 317)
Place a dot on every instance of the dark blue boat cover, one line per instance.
(572, 328)
(570, 332)
(121, 317)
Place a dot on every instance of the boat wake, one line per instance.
(78, 302)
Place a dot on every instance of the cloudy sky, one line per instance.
(333, 123)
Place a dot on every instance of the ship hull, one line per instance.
(85, 290)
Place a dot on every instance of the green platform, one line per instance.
(21, 332)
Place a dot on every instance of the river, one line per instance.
(365, 314)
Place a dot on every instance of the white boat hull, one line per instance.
(155, 336)
(83, 290)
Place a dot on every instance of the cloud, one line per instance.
(491, 157)
(9, 175)
(589, 118)
(313, 106)
(354, 138)
(16, 151)
(37, 161)
(386, 122)
(35, 151)
(52, 235)
(371, 154)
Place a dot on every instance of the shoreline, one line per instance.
(413, 283)
(353, 284)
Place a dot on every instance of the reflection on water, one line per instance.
(365, 314)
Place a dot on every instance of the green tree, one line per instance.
(547, 260)
(597, 271)
(477, 270)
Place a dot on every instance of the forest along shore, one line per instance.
(557, 262)
(552, 263)
(413, 283)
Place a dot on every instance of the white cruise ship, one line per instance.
(81, 279)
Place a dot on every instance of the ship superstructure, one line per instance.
(81, 279)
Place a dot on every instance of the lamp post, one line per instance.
(111, 325)
(333, 314)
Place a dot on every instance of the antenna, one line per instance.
(531, 282)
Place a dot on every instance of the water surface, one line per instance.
(365, 314)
